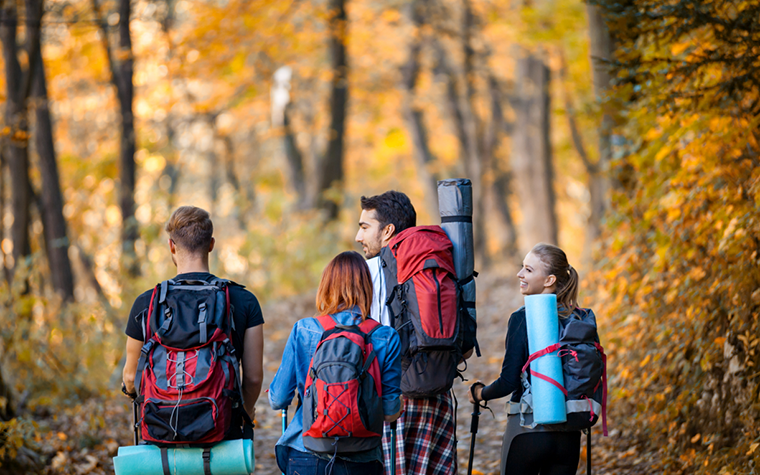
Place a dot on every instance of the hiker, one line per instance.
(426, 431)
(544, 449)
(343, 298)
(190, 241)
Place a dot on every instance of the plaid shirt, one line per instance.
(425, 438)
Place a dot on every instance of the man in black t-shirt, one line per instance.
(190, 241)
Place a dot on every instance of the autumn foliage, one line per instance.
(679, 277)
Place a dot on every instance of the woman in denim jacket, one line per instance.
(345, 293)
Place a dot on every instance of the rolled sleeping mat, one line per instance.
(455, 208)
(543, 331)
(231, 457)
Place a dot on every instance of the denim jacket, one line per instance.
(291, 376)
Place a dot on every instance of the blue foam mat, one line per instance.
(231, 457)
(543, 330)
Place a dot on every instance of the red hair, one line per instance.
(346, 283)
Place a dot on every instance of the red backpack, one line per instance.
(188, 376)
(423, 300)
(342, 406)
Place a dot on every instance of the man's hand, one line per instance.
(132, 395)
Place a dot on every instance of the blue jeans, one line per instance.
(302, 463)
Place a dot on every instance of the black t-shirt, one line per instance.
(247, 311)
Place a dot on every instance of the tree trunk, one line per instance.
(121, 77)
(130, 231)
(472, 145)
(531, 154)
(295, 160)
(56, 240)
(413, 115)
(18, 85)
(330, 171)
(497, 188)
(3, 161)
(601, 46)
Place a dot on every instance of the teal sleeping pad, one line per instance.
(231, 457)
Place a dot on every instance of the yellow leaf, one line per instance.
(720, 340)
(752, 448)
(696, 438)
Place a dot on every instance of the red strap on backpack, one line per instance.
(328, 323)
(557, 346)
(150, 312)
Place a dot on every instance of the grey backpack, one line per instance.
(584, 367)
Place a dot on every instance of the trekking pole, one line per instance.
(284, 416)
(473, 427)
(393, 448)
(473, 432)
(588, 451)
(134, 420)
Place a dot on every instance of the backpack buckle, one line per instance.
(148, 346)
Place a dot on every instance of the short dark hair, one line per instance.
(392, 207)
(191, 229)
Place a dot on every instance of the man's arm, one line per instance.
(130, 366)
(253, 366)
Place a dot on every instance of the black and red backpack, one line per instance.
(188, 375)
(342, 404)
(423, 299)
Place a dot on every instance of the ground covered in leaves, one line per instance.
(82, 439)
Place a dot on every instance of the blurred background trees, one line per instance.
(624, 132)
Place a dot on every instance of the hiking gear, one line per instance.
(543, 331)
(188, 377)
(473, 431)
(422, 300)
(284, 416)
(584, 366)
(342, 406)
(588, 450)
(135, 418)
(426, 437)
(455, 205)
(229, 457)
(394, 427)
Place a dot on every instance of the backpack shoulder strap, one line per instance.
(368, 326)
(327, 322)
(222, 282)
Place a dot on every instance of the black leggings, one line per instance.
(545, 453)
